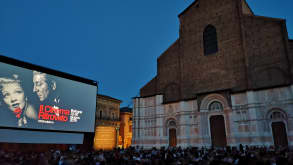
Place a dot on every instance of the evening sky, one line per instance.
(114, 42)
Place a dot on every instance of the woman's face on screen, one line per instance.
(13, 95)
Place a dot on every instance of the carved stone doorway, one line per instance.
(218, 132)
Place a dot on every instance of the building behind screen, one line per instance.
(107, 122)
(125, 127)
(227, 80)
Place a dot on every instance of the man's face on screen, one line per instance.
(41, 87)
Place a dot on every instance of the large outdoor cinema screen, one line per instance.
(35, 99)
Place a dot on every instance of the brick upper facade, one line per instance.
(253, 53)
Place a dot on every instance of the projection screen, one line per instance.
(35, 98)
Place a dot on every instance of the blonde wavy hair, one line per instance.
(8, 80)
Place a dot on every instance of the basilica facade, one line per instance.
(227, 80)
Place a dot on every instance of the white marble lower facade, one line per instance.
(248, 119)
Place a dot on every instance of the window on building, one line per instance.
(215, 106)
(210, 40)
(101, 114)
(172, 123)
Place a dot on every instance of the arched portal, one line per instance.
(218, 132)
(171, 127)
(279, 134)
(278, 119)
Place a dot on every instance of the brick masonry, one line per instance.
(250, 76)
(254, 53)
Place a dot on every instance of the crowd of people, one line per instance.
(163, 156)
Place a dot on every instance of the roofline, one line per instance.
(196, 1)
(177, 40)
(149, 81)
(109, 98)
(125, 109)
(147, 96)
(130, 113)
(249, 7)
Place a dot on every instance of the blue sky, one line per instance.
(113, 42)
